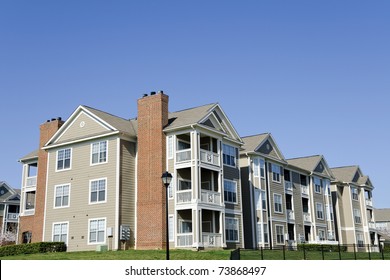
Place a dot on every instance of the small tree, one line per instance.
(8, 237)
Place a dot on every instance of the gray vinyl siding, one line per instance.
(80, 211)
(276, 188)
(75, 131)
(233, 174)
(127, 188)
(268, 149)
(235, 245)
(298, 209)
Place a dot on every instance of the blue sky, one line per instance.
(313, 73)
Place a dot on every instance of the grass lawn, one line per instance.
(127, 255)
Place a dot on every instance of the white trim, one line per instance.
(276, 235)
(35, 202)
(55, 196)
(173, 230)
(238, 229)
(117, 193)
(70, 164)
(281, 203)
(170, 156)
(67, 231)
(136, 195)
(91, 154)
(89, 231)
(322, 211)
(105, 194)
(236, 186)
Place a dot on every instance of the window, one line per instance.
(185, 226)
(99, 152)
(360, 239)
(60, 232)
(61, 196)
(320, 211)
(265, 227)
(260, 198)
(170, 190)
(230, 191)
(317, 185)
(278, 203)
(259, 167)
(276, 171)
(229, 155)
(30, 200)
(97, 231)
(329, 212)
(171, 228)
(184, 185)
(263, 200)
(265, 233)
(170, 147)
(321, 234)
(303, 179)
(356, 214)
(355, 194)
(98, 191)
(231, 229)
(63, 159)
(279, 234)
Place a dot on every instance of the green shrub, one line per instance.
(319, 247)
(32, 248)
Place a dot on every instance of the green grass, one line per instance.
(127, 255)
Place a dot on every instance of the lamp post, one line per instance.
(166, 179)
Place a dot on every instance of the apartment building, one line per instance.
(288, 201)
(9, 208)
(96, 173)
(352, 200)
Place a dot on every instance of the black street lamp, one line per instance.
(166, 179)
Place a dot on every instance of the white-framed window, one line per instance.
(64, 158)
(360, 239)
(171, 225)
(97, 231)
(258, 167)
(60, 232)
(329, 212)
(317, 185)
(320, 211)
(61, 196)
(98, 191)
(263, 200)
(279, 234)
(265, 233)
(276, 173)
(184, 185)
(321, 234)
(185, 226)
(260, 200)
(29, 203)
(229, 155)
(170, 190)
(355, 194)
(99, 152)
(231, 228)
(170, 147)
(265, 228)
(357, 217)
(230, 191)
(278, 206)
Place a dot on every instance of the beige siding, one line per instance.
(78, 131)
(80, 211)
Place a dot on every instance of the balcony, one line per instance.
(305, 190)
(184, 196)
(369, 202)
(210, 157)
(212, 240)
(31, 181)
(184, 240)
(371, 225)
(290, 215)
(306, 217)
(183, 155)
(12, 216)
(288, 186)
(211, 197)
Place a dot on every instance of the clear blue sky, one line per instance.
(316, 74)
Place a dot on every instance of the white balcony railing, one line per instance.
(369, 202)
(212, 240)
(184, 196)
(12, 216)
(371, 225)
(288, 186)
(211, 197)
(31, 181)
(305, 190)
(209, 157)
(306, 217)
(183, 155)
(184, 240)
(290, 215)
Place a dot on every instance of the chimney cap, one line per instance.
(153, 93)
(144, 95)
(160, 92)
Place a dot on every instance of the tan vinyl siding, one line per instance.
(77, 131)
(80, 211)
(127, 189)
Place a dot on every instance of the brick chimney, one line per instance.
(35, 223)
(152, 118)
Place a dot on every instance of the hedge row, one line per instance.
(32, 248)
(319, 247)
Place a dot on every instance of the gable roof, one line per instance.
(349, 174)
(189, 116)
(382, 215)
(30, 156)
(310, 163)
(254, 144)
(10, 194)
